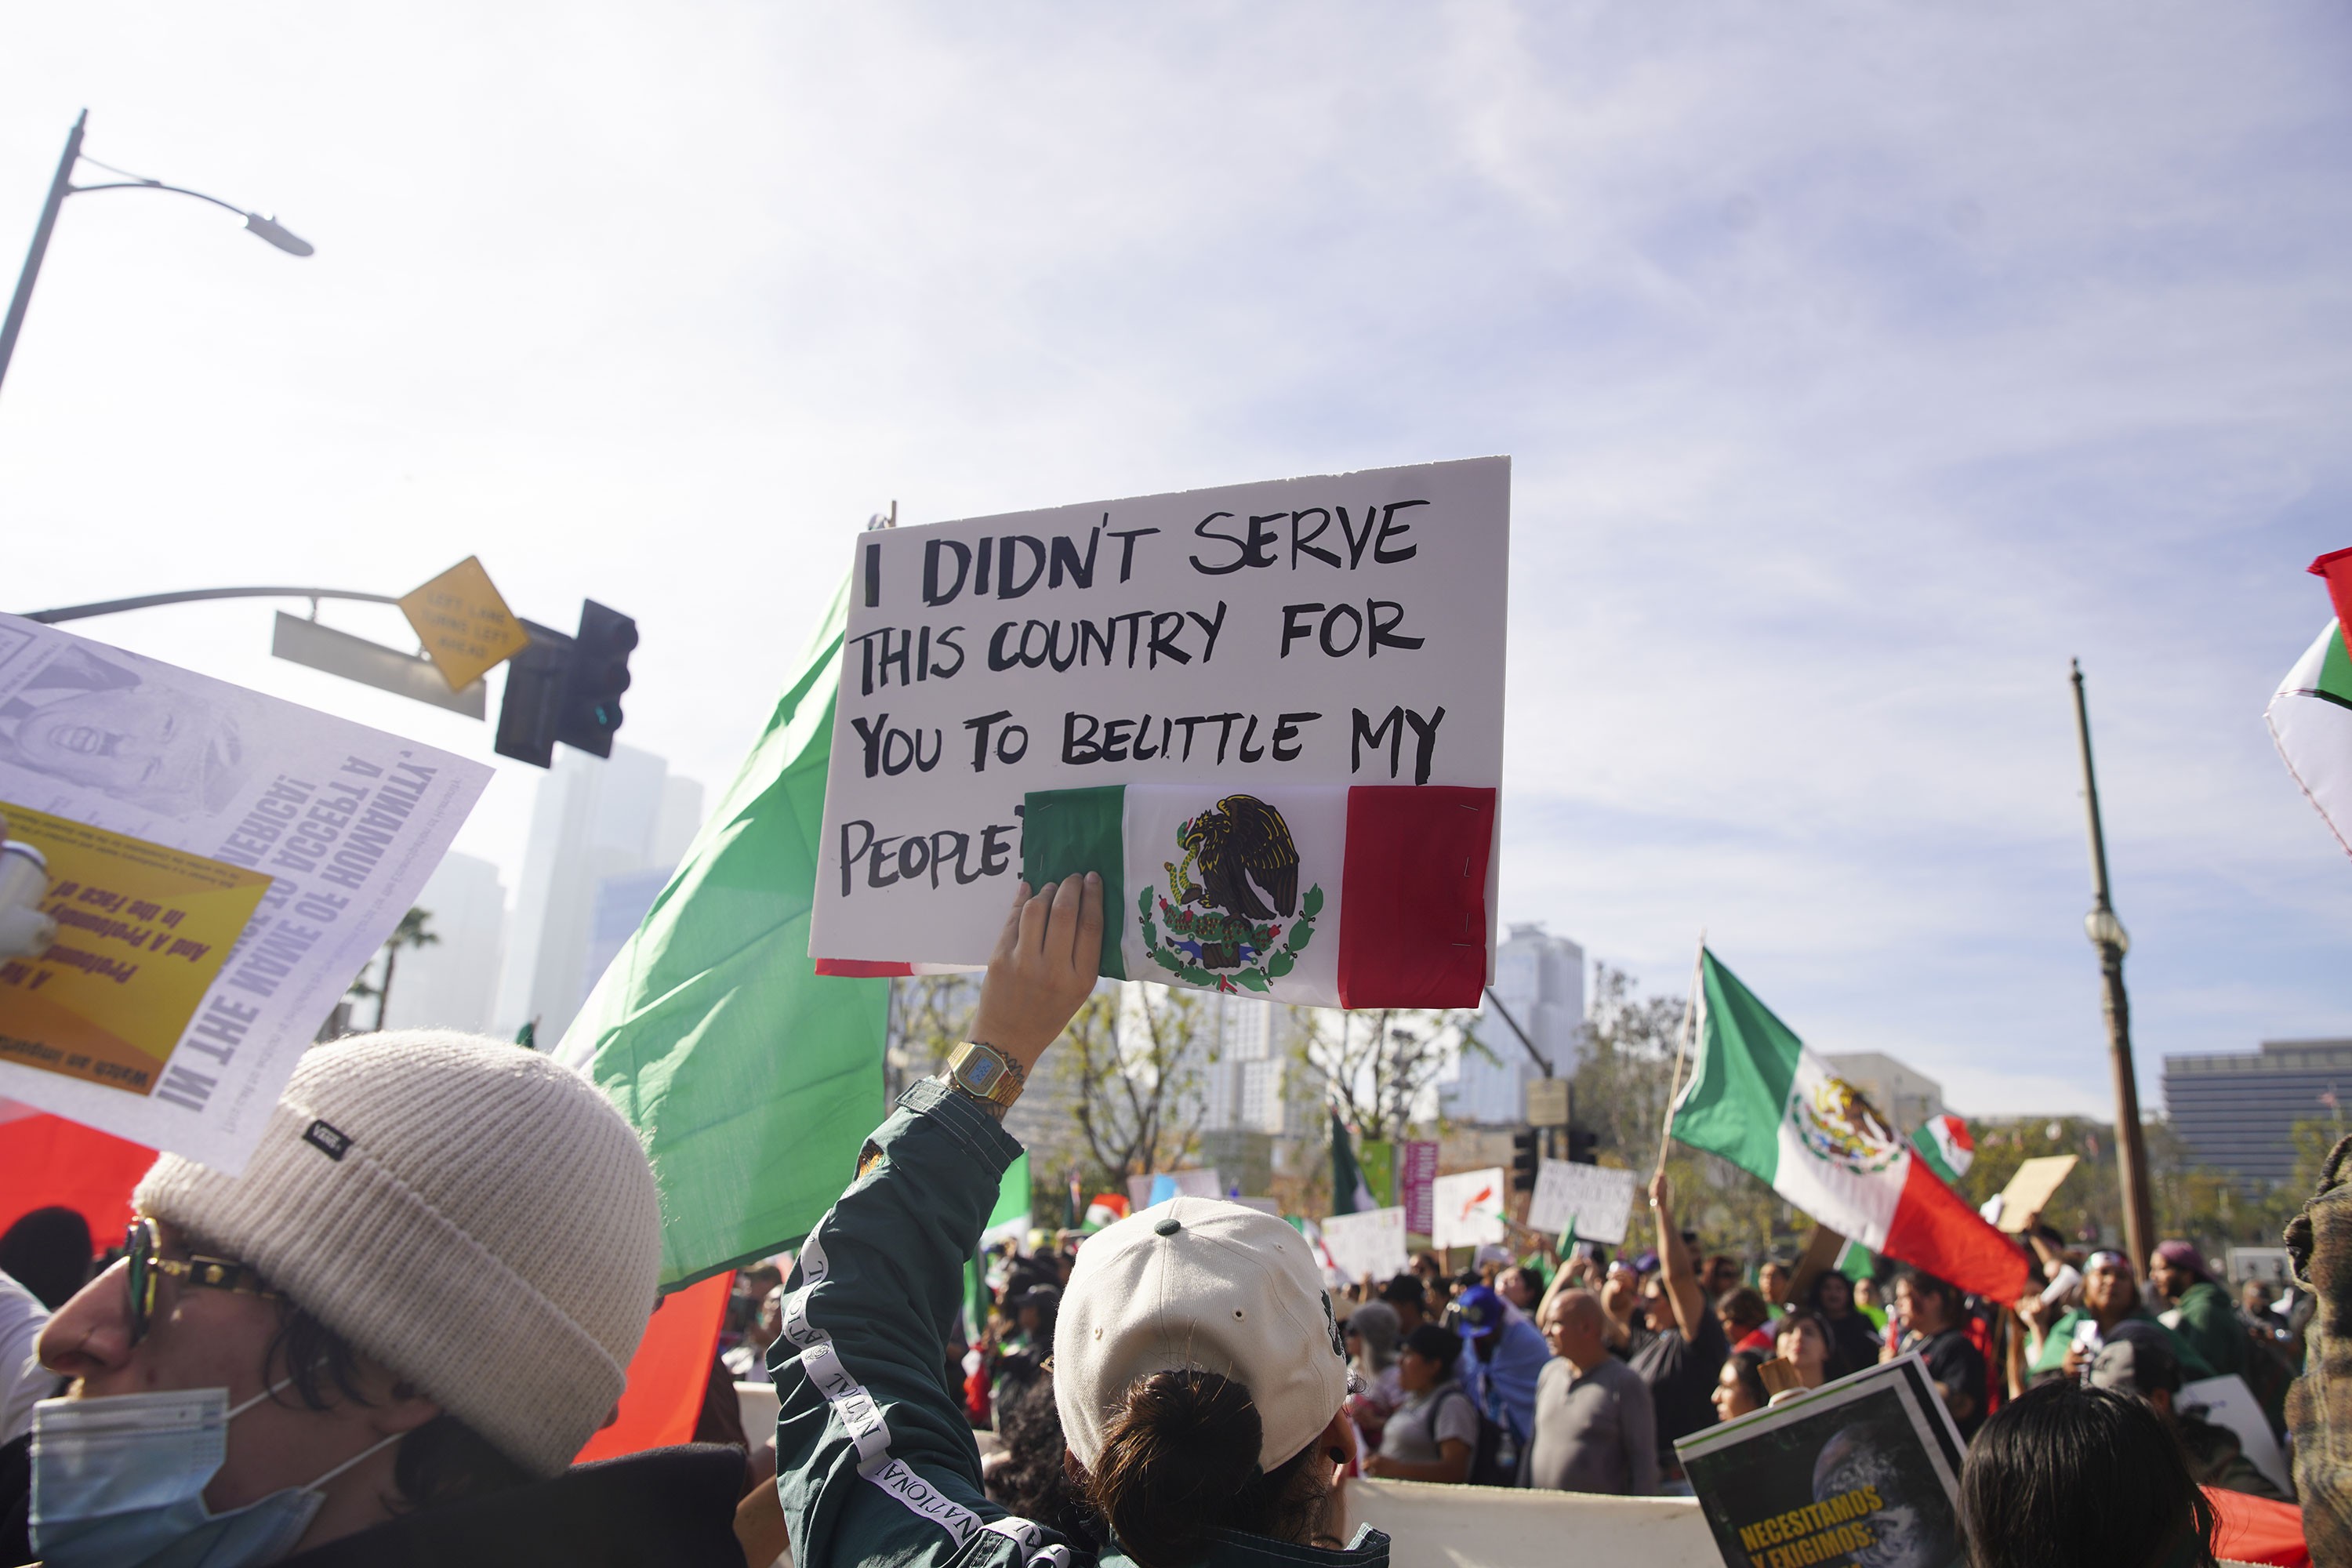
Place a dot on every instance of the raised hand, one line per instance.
(1044, 967)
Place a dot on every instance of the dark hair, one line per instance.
(1744, 1307)
(1923, 1283)
(47, 1252)
(1180, 1461)
(1834, 1361)
(439, 1462)
(1813, 1295)
(1031, 1482)
(1442, 1346)
(1405, 1288)
(2087, 1477)
(1746, 1365)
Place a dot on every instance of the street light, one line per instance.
(2107, 934)
(62, 186)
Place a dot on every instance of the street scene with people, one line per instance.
(1494, 785)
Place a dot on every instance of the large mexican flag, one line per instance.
(1760, 1098)
(751, 1081)
(1373, 896)
(2310, 715)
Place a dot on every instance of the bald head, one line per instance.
(1576, 1326)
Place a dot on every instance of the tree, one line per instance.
(415, 930)
(1135, 1056)
(1382, 1063)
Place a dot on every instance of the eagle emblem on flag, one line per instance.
(1234, 915)
(1839, 1125)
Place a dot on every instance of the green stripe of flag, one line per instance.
(750, 1080)
(1069, 832)
(1738, 1090)
(2336, 671)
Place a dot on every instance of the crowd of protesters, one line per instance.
(388, 1339)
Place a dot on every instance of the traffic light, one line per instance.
(588, 709)
(1527, 1159)
(1582, 1145)
(527, 714)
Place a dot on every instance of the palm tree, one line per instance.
(415, 930)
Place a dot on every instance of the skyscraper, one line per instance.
(454, 983)
(1540, 979)
(625, 822)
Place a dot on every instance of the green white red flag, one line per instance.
(1943, 1142)
(1320, 896)
(2310, 715)
(1758, 1097)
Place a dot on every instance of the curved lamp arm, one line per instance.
(269, 229)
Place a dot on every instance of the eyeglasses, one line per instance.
(148, 1266)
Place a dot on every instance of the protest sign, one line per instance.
(1596, 1202)
(2029, 1190)
(1199, 682)
(1866, 1469)
(2267, 1264)
(2227, 1401)
(1416, 1177)
(186, 780)
(1466, 1209)
(1369, 1244)
(141, 934)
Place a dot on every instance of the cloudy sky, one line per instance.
(1861, 363)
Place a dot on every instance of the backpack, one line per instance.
(1496, 1458)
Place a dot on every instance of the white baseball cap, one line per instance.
(1197, 1282)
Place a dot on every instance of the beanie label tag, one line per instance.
(330, 1141)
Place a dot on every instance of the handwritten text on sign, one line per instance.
(1332, 630)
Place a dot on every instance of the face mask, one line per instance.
(119, 1480)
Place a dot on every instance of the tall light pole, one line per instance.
(62, 186)
(2107, 934)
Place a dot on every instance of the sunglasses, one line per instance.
(148, 1266)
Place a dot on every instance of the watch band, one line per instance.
(985, 1073)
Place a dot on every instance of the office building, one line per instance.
(2237, 1110)
(1903, 1094)
(454, 983)
(596, 822)
(1540, 980)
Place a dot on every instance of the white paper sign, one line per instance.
(1466, 1209)
(2228, 1402)
(347, 821)
(1597, 1200)
(1335, 631)
(1371, 1243)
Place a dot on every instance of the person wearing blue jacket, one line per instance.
(1198, 1370)
(1505, 1354)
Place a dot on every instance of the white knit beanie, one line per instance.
(477, 1218)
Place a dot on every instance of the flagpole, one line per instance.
(1682, 1047)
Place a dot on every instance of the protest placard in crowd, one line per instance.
(1271, 716)
(1594, 1201)
(1864, 1469)
(160, 791)
(1416, 1176)
(1369, 1244)
(1466, 1209)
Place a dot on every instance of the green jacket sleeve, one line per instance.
(874, 1462)
(2209, 1326)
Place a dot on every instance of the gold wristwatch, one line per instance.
(985, 1073)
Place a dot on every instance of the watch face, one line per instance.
(979, 1072)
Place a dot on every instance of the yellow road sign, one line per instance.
(464, 625)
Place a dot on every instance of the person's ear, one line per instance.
(404, 1409)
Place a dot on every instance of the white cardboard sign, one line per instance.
(1466, 1209)
(347, 821)
(1371, 1243)
(1598, 1201)
(1334, 630)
